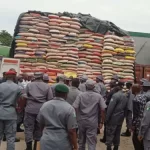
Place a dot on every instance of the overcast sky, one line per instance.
(130, 15)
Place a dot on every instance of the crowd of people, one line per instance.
(70, 113)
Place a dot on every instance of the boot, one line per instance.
(19, 129)
(109, 148)
(116, 147)
(35, 145)
(127, 133)
(29, 146)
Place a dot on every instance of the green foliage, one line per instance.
(5, 38)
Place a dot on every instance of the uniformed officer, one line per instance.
(144, 133)
(89, 104)
(143, 88)
(60, 80)
(73, 91)
(100, 86)
(114, 89)
(58, 121)
(38, 93)
(114, 118)
(130, 97)
(8, 101)
(83, 80)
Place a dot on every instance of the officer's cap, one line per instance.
(143, 80)
(46, 77)
(62, 77)
(84, 77)
(90, 84)
(10, 73)
(115, 77)
(62, 88)
(100, 77)
(38, 75)
(146, 84)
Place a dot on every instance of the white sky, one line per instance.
(130, 15)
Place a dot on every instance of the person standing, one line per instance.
(130, 97)
(100, 86)
(144, 132)
(8, 101)
(38, 93)
(114, 89)
(60, 80)
(114, 118)
(89, 105)
(58, 121)
(83, 80)
(139, 103)
(73, 91)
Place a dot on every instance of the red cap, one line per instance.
(10, 73)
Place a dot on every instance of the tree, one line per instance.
(5, 38)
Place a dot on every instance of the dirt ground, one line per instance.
(126, 143)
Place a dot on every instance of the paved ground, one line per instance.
(126, 143)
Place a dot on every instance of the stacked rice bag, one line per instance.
(128, 67)
(32, 42)
(90, 45)
(63, 52)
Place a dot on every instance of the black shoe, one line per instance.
(4, 138)
(17, 140)
(35, 145)
(127, 134)
(29, 146)
(116, 147)
(103, 140)
(20, 130)
(109, 148)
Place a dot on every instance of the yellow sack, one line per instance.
(130, 57)
(69, 74)
(21, 44)
(130, 51)
(119, 50)
(88, 45)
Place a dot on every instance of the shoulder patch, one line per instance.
(74, 115)
(148, 108)
(112, 100)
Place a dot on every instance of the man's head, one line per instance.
(146, 86)
(46, 78)
(38, 75)
(61, 90)
(20, 78)
(128, 85)
(83, 78)
(62, 78)
(4, 74)
(136, 88)
(10, 75)
(90, 84)
(75, 82)
(99, 78)
(114, 78)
